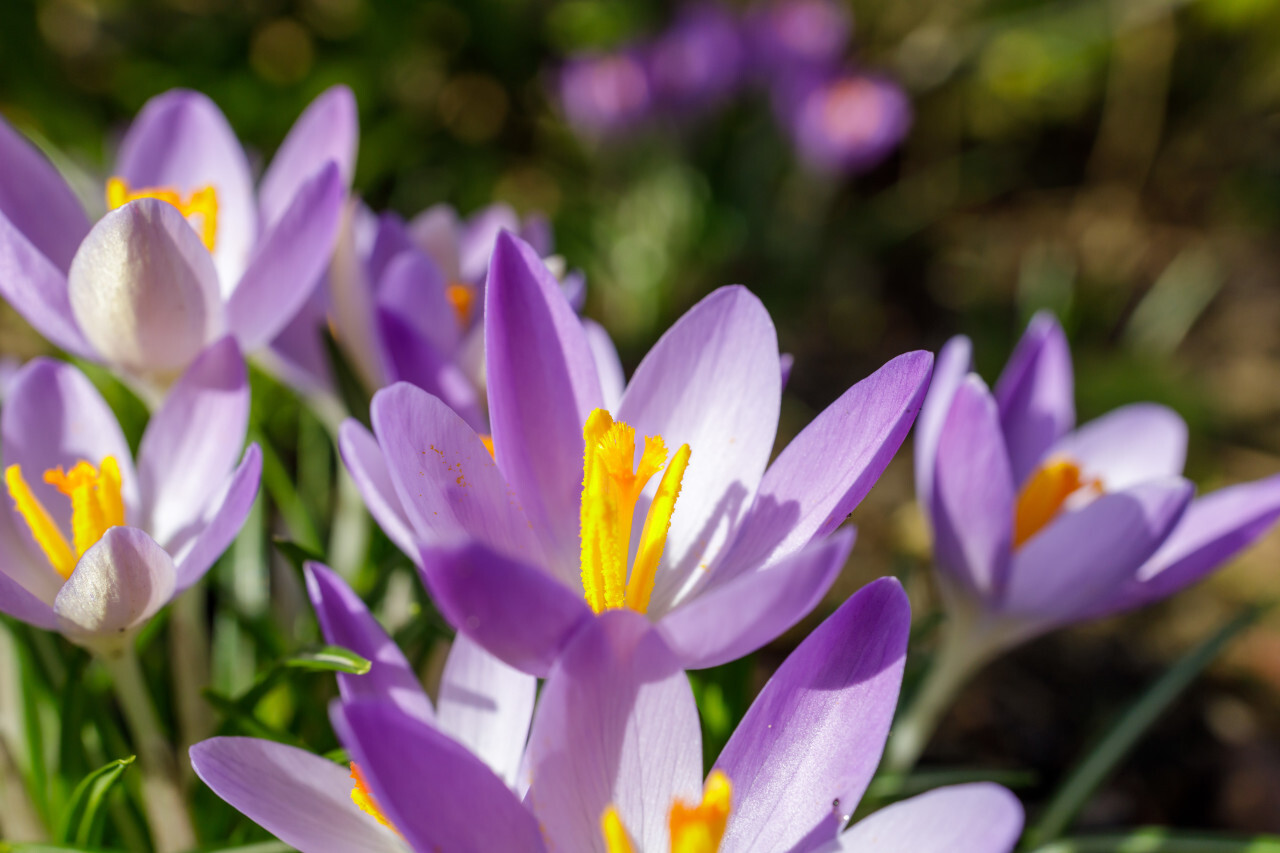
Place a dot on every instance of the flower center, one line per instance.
(462, 297)
(1043, 496)
(96, 505)
(694, 828)
(610, 489)
(363, 798)
(202, 203)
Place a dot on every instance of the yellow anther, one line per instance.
(202, 203)
(487, 441)
(462, 297)
(1043, 496)
(616, 839)
(363, 798)
(699, 829)
(96, 506)
(611, 485)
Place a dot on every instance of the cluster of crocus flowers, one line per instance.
(186, 251)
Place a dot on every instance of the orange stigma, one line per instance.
(1043, 496)
(363, 798)
(462, 297)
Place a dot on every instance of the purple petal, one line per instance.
(447, 483)
(1036, 394)
(713, 382)
(18, 602)
(486, 706)
(287, 262)
(736, 618)
(413, 288)
(37, 201)
(328, 130)
(363, 458)
(437, 231)
(1084, 557)
(23, 564)
(479, 236)
(182, 141)
(231, 507)
(973, 494)
(608, 365)
(191, 445)
(354, 311)
(814, 735)
(517, 612)
(144, 291)
(616, 725)
(412, 358)
(390, 239)
(346, 622)
(37, 289)
(297, 356)
(118, 584)
(955, 360)
(975, 818)
(830, 466)
(302, 799)
(542, 386)
(438, 795)
(1130, 445)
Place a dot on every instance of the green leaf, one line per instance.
(1159, 840)
(1097, 765)
(296, 553)
(355, 397)
(82, 820)
(330, 658)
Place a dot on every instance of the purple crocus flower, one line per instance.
(614, 756)
(92, 544)
(797, 37)
(697, 62)
(845, 122)
(187, 251)
(521, 547)
(603, 94)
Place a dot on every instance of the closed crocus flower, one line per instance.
(697, 62)
(1038, 523)
(846, 122)
(790, 37)
(614, 754)
(659, 499)
(604, 94)
(94, 544)
(187, 251)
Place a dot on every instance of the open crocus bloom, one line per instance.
(524, 545)
(317, 806)
(1037, 525)
(187, 252)
(614, 755)
(91, 543)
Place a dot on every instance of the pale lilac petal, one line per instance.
(300, 798)
(390, 238)
(298, 356)
(117, 585)
(437, 231)
(413, 288)
(542, 385)
(713, 382)
(734, 619)
(608, 365)
(35, 288)
(37, 201)
(438, 795)
(328, 130)
(231, 507)
(53, 418)
(811, 741)
(192, 444)
(181, 141)
(486, 706)
(478, 236)
(976, 818)
(535, 229)
(1127, 446)
(832, 464)
(363, 458)
(287, 262)
(412, 358)
(17, 602)
(516, 611)
(1086, 555)
(954, 361)
(24, 564)
(1036, 394)
(616, 725)
(346, 622)
(973, 494)
(144, 291)
(354, 310)
(445, 479)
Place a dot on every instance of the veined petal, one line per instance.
(612, 380)
(328, 130)
(37, 201)
(954, 362)
(364, 460)
(1127, 446)
(975, 818)
(1036, 394)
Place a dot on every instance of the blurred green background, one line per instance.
(1117, 161)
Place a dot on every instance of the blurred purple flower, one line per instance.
(93, 545)
(698, 61)
(797, 37)
(606, 93)
(844, 123)
(187, 251)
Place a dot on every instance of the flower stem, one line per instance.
(166, 810)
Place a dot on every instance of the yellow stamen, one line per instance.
(610, 490)
(462, 297)
(202, 202)
(363, 798)
(487, 441)
(616, 839)
(1043, 496)
(96, 506)
(700, 828)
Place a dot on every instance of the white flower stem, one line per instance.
(165, 807)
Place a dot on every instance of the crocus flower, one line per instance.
(524, 545)
(615, 756)
(320, 807)
(603, 94)
(92, 544)
(187, 251)
(845, 122)
(697, 62)
(790, 37)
